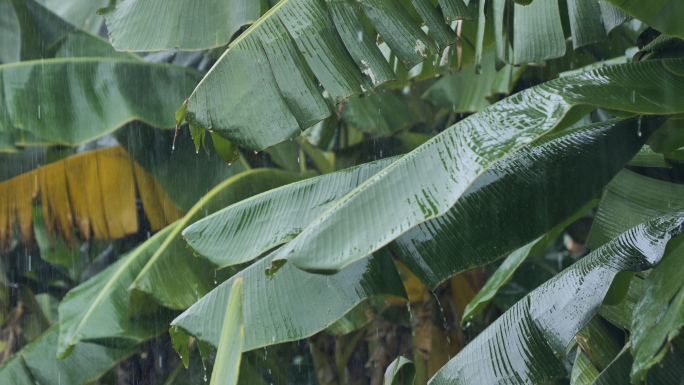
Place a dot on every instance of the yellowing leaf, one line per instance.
(93, 192)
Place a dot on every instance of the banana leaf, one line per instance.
(441, 171)
(248, 228)
(177, 24)
(292, 304)
(74, 100)
(543, 323)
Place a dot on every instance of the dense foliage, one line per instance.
(355, 192)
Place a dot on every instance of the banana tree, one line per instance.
(350, 174)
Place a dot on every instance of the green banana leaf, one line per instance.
(227, 364)
(37, 362)
(544, 322)
(173, 276)
(533, 33)
(250, 227)
(263, 69)
(659, 313)
(400, 365)
(663, 15)
(82, 99)
(442, 169)
(98, 309)
(292, 304)
(138, 25)
(631, 199)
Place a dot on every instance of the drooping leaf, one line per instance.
(659, 313)
(292, 304)
(444, 35)
(255, 225)
(662, 15)
(406, 39)
(330, 38)
(93, 191)
(332, 41)
(541, 18)
(98, 309)
(545, 321)
(173, 276)
(468, 149)
(74, 100)
(227, 364)
(534, 32)
(586, 22)
(631, 199)
(186, 25)
(400, 365)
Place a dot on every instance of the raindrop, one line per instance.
(639, 127)
(273, 338)
(205, 377)
(297, 159)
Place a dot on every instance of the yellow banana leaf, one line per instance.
(86, 195)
